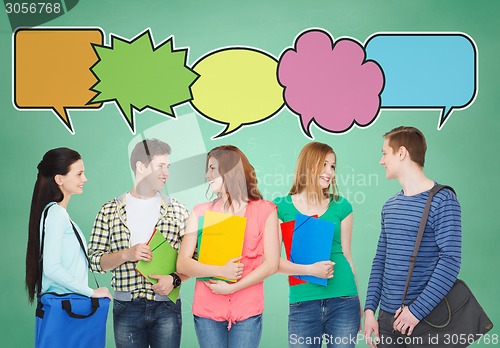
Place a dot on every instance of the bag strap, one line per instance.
(420, 234)
(83, 249)
(40, 261)
(66, 305)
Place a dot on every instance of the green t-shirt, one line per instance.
(343, 282)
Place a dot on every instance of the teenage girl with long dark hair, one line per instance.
(65, 268)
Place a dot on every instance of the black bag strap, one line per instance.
(40, 273)
(66, 305)
(40, 260)
(83, 249)
(420, 234)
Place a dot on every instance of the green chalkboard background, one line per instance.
(464, 153)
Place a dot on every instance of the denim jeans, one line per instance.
(142, 323)
(215, 334)
(334, 322)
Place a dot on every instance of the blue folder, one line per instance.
(312, 242)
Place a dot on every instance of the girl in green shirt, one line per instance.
(321, 314)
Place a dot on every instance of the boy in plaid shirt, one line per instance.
(143, 314)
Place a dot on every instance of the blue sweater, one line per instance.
(65, 268)
(438, 259)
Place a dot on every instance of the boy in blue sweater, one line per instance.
(438, 260)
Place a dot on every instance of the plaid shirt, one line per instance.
(111, 234)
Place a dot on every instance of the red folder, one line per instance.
(287, 235)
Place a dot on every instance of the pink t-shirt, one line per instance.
(248, 302)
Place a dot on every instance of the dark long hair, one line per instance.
(54, 162)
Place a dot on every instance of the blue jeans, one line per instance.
(141, 323)
(215, 334)
(333, 321)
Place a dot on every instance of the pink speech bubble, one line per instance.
(330, 83)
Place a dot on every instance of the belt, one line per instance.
(127, 296)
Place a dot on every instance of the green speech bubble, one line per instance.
(135, 74)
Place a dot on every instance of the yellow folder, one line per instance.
(163, 262)
(221, 239)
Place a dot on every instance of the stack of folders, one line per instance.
(307, 240)
(220, 239)
(163, 262)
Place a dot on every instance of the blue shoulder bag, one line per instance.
(69, 320)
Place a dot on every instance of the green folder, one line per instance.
(163, 262)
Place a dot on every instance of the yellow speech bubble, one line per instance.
(52, 69)
(236, 87)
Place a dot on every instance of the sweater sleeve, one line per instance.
(447, 225)
(56, 223)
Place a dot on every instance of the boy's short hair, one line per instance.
(146, 150)
(412, 139)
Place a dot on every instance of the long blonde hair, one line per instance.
(309, 166)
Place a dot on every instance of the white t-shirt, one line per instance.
(142, 216)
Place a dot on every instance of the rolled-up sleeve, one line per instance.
(99, 242)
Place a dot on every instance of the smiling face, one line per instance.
(328, 171)
(213, 176)
(155, 175)
(72, 183)
(390, 161)
(315, 173)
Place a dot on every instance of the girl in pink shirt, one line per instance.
(230, 314)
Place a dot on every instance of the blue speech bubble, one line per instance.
(426, 70)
